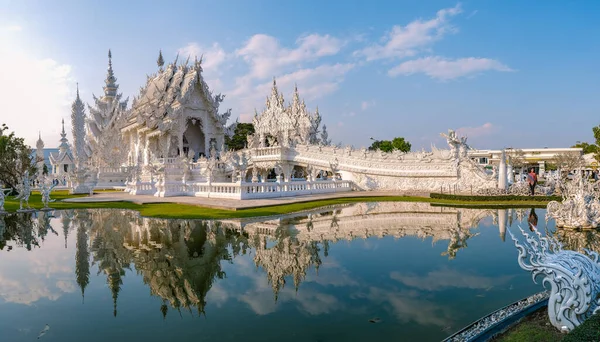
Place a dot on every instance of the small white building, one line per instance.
(538, 158)
(62, 162)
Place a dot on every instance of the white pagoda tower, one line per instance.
(39, 156)
(81, 153)
(104, 140)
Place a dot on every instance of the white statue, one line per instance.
(45, 190)
(24, 190)
(574, 278)
(3, 194)
(580, 207)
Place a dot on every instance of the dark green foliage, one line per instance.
(400, 144)
(15, 158)
(587, 147)
(494, 198)
(239, 139)
(397, 143)
(588, 331)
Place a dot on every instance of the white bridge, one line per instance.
(282, 171)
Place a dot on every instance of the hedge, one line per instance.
(587, 331)
(494, 198)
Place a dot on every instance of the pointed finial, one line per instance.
(77, 89)
(160, 61)
(176, 59)
(109, 55)
(40, 132)
(274, 82)
(187, 60)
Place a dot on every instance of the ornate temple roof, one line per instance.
(166, 93)
(277, 117)
(64, 155)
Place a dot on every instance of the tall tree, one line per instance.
(15, 158)
(239, 139)
(566, 162)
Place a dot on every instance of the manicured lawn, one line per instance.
(185, 211)
(535, 328)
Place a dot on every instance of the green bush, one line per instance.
(588, 331)
(494, 198)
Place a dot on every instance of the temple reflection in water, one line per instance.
(180, 259)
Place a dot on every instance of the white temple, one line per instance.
(171, 142)
(62, 162)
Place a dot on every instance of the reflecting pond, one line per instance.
(357, 272)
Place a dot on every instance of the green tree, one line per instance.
(239, 139)
(386, 146)
(15, 158)
(45, 170)
(399, 143)
(587, 147)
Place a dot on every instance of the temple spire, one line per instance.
(63, 134)
(160, 61)
(111, 87)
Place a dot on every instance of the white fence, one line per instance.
(243, 190)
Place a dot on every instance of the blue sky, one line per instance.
(506, 73)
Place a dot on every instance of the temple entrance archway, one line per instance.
(194, 140)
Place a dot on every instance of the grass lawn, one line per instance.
(185, 211)
(534, 328)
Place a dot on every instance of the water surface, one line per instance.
(359, 272)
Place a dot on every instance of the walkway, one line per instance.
(231, 204)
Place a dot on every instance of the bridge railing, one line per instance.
(251, 190)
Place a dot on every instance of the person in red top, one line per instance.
(532, 180)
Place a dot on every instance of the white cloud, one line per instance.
(26, 278)
(38, 92)
(313, 83)
(406, 41)
(14, 28)
(366, 105)
(473, 132)
(446, 69)
(266, 57)
(446, 278)
(212, 57)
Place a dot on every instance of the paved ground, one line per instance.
(230, 204)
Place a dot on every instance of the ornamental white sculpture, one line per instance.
(574, 278)
(24, 190)
(3, 193)
(46, 188)
(580, 207)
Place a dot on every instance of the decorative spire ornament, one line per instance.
(111, 87)
(160, 61)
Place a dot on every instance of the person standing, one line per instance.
(532, 180)
(533, 220)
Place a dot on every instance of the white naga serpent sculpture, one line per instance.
(573, 277)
